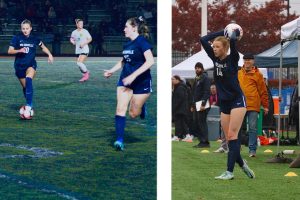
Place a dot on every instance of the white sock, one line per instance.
(82, 67)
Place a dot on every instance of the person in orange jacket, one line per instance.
(254, 88)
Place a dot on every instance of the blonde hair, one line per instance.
(224, 41)
(78, 20)
(26, 21)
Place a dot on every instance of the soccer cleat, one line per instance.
(221, 150)
(85, 77)
(188, 138)
(119, 145)
(252, 155)
(202, 145)
(175, 138)
(246, 169)
(143, 112)
(225, 176)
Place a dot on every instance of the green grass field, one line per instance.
(66, 151)
(193, 175)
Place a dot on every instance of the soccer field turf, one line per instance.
(193, 175)
(66, 151)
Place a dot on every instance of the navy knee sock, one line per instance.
(29, 91)
(232, 154)
(120, 122)
(239, 159)
(143, 113)
(24, 92)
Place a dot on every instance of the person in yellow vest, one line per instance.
(254, 88)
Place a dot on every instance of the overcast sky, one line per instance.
(295, 4)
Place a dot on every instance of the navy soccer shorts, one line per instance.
(228, 105)
(20, 71)
(138, 86)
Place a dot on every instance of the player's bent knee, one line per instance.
(231, 137)
(133, 114)
(121, 111)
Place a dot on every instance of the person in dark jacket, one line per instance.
(179, 107)
(200, 92)
(294, 111)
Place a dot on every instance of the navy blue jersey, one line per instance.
(24, 60)
(133, 57)
(226, 70)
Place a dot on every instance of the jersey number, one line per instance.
(26, 49)
(127, 58)
(219, 71)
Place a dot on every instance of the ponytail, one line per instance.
(140, 23)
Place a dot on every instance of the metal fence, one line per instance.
(287, 73)
(178, 57)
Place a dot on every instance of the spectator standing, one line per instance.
(179, 107)
(213, 99)
(52, 15)
(294, 111)
(200, 92)
(254, 88)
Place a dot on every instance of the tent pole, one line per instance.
(298, 41)
(279, 97)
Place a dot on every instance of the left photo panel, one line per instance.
(78, 86)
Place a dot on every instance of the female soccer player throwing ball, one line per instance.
(231, 98)
(81, 38)
(134, 85)
(24, 47)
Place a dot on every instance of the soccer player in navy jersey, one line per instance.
(134, 85)
(24, 47)
(230, 96)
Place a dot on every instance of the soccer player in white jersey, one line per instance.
(81, 38)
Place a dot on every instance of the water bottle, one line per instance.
(258, 141)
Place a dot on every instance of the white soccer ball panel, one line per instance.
(232, 27)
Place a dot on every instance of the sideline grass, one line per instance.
(193, 175)
(77, 120)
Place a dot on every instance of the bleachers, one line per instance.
(113, 43)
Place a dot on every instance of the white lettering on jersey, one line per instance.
(219, 68)
(26, 45)
(128, 52)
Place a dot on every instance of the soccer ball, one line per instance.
(25, 113)
(232, 27)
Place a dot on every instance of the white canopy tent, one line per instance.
(186, 69)
(289, 32)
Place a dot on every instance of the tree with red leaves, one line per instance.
(261, 25)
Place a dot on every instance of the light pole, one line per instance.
(288, 17)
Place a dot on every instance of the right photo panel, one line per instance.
(235, 101)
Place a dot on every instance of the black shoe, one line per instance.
(196, 146)
(202, 145)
